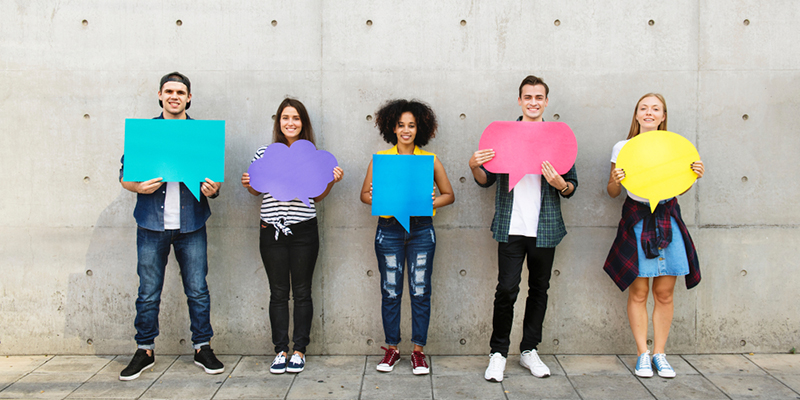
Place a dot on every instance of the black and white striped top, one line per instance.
(283, 213)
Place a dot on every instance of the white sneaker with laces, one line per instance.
(497, 366)
(530, 360)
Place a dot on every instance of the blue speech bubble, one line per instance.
(298, 172)
(177, 150)
(402, 186)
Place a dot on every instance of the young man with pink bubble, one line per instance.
(289, 244)
(650, 245)
(169, 215)
(408, 125)
(527, 223)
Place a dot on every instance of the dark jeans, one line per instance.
(190, 251)
(289, 262)
(509, 275)
(395, 247)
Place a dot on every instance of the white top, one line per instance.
(172, 206)
(527, 204)
(614, 154)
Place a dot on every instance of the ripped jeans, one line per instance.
(393, 247)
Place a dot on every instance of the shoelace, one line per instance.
(494, 360)
(418, 359)
(644, 362)
(387, 357)
(661, 362)
(280, 359)
(296, 359)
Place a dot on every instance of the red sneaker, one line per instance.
(418, 364)
(391, 358)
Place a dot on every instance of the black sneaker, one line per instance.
(140, 362)
(206, 359)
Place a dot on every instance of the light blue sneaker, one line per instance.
(643, 367)
(662, 366)
(296, 363)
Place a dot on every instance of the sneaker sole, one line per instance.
(643, 374)
(209, 371)
(666, 374)
(136, 375)
(294, 370)
(385, 368)
(492, 379)
(277, 371)
(420, 371)
(533, 373)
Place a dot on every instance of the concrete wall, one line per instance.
(72, 71)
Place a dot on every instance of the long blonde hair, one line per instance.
(635, 124)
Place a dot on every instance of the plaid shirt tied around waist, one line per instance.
(622, 264)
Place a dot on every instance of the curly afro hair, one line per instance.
(386, 120)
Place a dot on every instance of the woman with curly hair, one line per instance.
(650, 245)
(407, 125)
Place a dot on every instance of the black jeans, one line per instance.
(289, 262)
(509, 275)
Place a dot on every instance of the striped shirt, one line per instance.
(283, 214)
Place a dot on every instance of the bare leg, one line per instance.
(663, 287)
(417, 347)
(637, 312)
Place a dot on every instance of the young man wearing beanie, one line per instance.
(527, 224)
(168, 214)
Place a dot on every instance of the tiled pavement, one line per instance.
(727, 376)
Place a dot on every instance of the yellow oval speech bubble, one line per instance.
(658, 165)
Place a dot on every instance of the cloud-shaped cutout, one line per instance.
(297, 172)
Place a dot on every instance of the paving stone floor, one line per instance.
(725, 376)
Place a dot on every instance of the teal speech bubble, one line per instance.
(402, 186)
(177, 150)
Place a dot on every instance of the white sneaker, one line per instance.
(497, 365)
(530, 360)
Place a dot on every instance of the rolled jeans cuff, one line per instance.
(150, 346)
(197, 346)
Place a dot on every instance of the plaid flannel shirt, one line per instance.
(622, 264)
(551, 225)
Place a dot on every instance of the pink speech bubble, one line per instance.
(521, 147)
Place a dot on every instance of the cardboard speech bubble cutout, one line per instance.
(521, 147)
(402, 187)
(297, 172)
(658, 165)
(177, 150)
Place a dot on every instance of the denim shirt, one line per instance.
(149, 211)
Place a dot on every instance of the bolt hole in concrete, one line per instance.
(463, 272)
(274, 23)
(369, 117)
(556, 272)
(89, 342)
(370, 342)
(746, 22)
(463, 341)
(89, 272)
(744, 272)
(179, 22)
(182, 342)
(369, 273)
(555, 342)
(649, 342)
(369, 22)
(273, 117)
(462, 179)
(651, 22)
(85, 22)
(86, 179)
(557, 22)
(463, 22)
(745, 117)
(556, 117)
(744, 179)
(743, 343)
(86, 116)
(462, 116)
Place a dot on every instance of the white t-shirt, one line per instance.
(527, 204)
(614, 154)
(172, 206)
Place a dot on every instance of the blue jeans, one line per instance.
(393, 246)
(190, 251)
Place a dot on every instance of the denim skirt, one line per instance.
(671, 260)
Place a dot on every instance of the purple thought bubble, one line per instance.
(298, 172)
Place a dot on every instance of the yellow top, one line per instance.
(417, 152)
